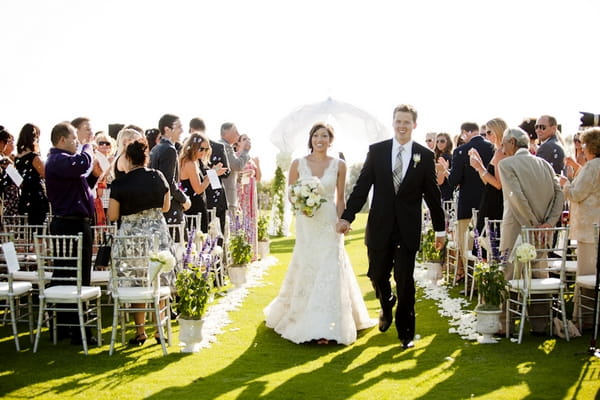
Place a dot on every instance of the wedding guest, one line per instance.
(164, 158)
(574, 164)
(532, 198)
(550, 148)
(193, 160)
(230, 135)
(83, 129)
(491, 205)
(124, 137)
(139, 198)
(528, 125)
(153, 137)
(583, 194)
(215, 198)
(248, 198)
(10, 191)
(33, 200)
(69, 191)
(430, 140)
(104, 155)
(443, 149)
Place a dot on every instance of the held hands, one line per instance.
(343, 226)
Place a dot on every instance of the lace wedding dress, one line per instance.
(319, 297)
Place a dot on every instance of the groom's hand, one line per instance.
(342, 226)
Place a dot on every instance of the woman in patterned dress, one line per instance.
(9, 189)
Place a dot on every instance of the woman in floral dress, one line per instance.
(10, 190)
(248, 198)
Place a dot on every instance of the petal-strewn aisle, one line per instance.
(217, 316)
(462, 320)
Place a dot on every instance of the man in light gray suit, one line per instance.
(230, 135)
(532, 198)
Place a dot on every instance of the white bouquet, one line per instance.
(526, 252)
(307, 195)
(160, 262)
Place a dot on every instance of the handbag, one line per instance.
(103, 254)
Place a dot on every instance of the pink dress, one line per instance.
(247, 199)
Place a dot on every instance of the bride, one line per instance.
(320, 298)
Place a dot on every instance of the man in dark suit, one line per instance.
(163, 157)
(550, 148)
(468, 181)
(402, 173)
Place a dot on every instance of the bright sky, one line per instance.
(253, 62)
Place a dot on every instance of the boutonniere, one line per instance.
(416, 159)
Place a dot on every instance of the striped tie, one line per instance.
(398, 169)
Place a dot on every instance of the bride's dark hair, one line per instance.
(315, 128)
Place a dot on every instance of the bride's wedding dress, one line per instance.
(320, 297)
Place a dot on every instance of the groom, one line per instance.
(402, 173)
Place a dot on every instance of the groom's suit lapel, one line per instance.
(387, 164)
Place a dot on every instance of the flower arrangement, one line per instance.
(240, 248)
(194, 282)
(263, 225)
(160, 262)
(489, 277)
(526, 252)
(306, 195)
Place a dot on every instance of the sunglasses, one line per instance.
(540, 127)
(103, 143)
(202, 149)
(441, 141)
(429, 140)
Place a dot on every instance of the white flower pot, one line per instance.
(434, 271)
(190, 334)
(488, 323)
(237, 274)
(263, 249)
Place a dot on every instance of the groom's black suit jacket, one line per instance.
(396, 213)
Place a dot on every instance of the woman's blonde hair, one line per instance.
(124, 135)
(497, 126)
(191, 147)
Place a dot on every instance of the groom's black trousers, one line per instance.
(397, 258)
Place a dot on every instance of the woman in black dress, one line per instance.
(139, 199)
(8, 188)
(443, 149)
(33, 200)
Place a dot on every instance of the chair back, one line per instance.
(192, 222)
(131, 261)
(8, 260)
(60, 255)
(490, 237)
(549, 252)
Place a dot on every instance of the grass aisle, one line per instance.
(250, 361)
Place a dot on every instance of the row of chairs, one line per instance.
(554, 259)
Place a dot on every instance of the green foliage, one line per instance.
(430, 254)
(240, 248)
(263, 223)
(278, 193)
(491, 285)
(193, 288)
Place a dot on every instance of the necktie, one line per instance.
(397, 173)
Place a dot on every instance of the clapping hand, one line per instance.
(219, 169)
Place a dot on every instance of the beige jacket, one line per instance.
(584, 196)
(532, 195)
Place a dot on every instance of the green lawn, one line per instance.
(250, 361)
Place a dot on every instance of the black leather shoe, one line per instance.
(385, 316)
(407, 344)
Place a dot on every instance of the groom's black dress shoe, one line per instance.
(385, 316)
(407, 344)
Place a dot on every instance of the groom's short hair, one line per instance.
(406, 108)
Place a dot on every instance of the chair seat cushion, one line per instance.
(68, 293)
(537, 284)
(570, 266)
(100, 277)
(586, 281)
(139, 294)
(19, 288)
(30, 276)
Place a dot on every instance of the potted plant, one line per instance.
(263, 236)
(432, 258)
(193, 290)
(240, 255)
(492, 291)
